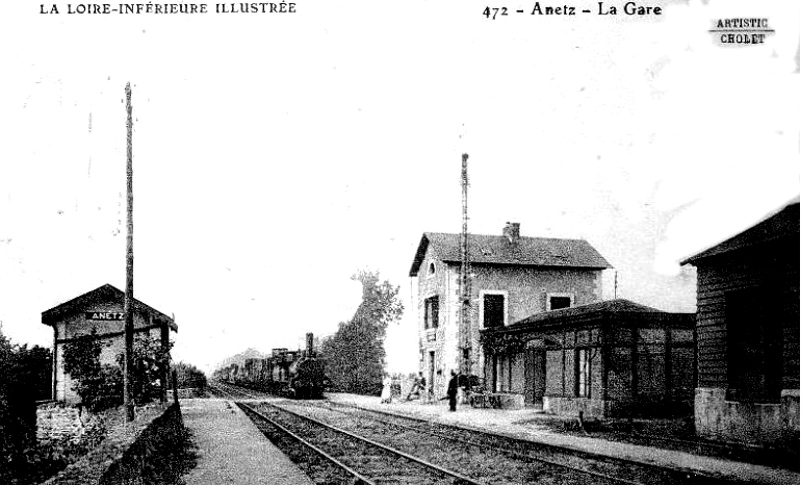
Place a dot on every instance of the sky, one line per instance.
(277, 155)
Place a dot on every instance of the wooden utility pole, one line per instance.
(128, 306)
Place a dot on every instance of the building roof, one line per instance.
(528, 251)
(781, 224)
(604, 310)
(102, 294)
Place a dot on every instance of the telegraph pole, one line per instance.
(128, 305)
(465, 290)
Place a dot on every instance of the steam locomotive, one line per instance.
(288, 373)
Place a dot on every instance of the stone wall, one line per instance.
(55, 423)
(766, 424)
(151, 449)
(128, 452)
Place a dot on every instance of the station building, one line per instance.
(748, 330)
(606, 359)
(99, 311)
(512, 277)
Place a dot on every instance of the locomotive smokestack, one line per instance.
(309, 344)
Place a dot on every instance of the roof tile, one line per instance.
(528, 251)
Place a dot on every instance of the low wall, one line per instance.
(128, 452)
(58, 423)
(774, 424)
(598, 408)
(497, 401)
(571, 406)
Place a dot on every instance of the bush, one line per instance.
(148, 357)
(189, 376)
(18, 392)
(101, 386)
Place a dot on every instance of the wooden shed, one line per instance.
(606, 359)
(748, 326)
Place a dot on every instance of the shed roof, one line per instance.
(780, 224)
(528, 251)
(102, 294)
(604, 310)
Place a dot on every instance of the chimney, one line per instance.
(512, 232)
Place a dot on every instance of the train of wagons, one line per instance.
(298, 374)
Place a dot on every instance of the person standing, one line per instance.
(386, 392)
(453, 389)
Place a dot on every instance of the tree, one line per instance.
(37, 365)
(354, 355)
(17, 408)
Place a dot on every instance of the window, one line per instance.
(432, 312)
(493, 308)
(556, 301)
(432, 269)
(583, 372)
(754, 346)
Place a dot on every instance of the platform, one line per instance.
(509, 422)
(232, 450)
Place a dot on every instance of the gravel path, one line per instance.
(232, 450)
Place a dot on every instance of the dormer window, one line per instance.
(432, 269)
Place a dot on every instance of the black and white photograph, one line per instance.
(426, 242)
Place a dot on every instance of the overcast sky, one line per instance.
(275, 156)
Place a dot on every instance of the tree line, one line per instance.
(25, 377)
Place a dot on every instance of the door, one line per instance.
(528, 376)
(431, 362)
(539, 376)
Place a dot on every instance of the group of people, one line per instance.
(421, 391)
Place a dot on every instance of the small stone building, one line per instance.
(607, 359)
(101, 311)
(748, 329)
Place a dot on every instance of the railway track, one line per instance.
(350, 458)
(489, 461)
(598, 467)
(330, 455)
(480, 455)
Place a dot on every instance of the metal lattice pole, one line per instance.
(465, 290)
